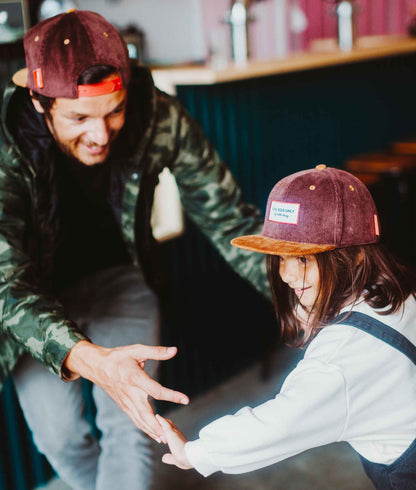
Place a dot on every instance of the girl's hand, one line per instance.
(176, 442)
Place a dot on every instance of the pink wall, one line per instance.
(374, 17)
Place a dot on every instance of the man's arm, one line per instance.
(32, 319)
(39, 324)
(120, 373)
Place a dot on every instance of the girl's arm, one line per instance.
(176, 442)
(310, 411)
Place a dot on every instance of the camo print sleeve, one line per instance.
(213, 200)
(30, 321)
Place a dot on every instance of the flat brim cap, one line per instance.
(266, 245)
(314, 211)
(60, 48)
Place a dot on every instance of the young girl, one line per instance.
(338, 291)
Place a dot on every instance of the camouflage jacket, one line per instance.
(32, 319)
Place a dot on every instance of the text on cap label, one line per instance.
(284, 212)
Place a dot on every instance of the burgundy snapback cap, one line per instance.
(314, 211)
(60, 48)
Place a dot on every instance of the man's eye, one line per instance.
(117, 111)
(79, 118)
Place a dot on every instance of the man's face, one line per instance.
(85, 128)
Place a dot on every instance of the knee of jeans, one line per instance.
(64, 440)
(131, 437)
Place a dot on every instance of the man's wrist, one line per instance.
(76, 362)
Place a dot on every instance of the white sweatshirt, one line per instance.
(349, 386)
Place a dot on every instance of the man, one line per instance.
(85, 136)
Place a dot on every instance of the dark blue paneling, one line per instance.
(21, 466)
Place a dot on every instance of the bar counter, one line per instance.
(323, 53)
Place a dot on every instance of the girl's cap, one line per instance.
(60, 48)
(314, 211)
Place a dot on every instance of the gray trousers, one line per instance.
(113, 307)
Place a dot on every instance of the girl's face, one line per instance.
(302, 275)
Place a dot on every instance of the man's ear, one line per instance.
(36, 103)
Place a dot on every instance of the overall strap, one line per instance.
(380, 330)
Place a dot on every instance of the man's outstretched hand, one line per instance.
(120, 372)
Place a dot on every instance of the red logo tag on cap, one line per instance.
(37, 76)
(376, 225)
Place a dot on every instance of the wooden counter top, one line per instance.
(323, 53)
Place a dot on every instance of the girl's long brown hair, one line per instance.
(346, 275)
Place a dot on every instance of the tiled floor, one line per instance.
(333, 467)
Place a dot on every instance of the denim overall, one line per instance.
(400, 475)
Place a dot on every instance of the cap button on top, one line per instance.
(321, 166)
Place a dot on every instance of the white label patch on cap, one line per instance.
(284, 212)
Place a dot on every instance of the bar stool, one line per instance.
(404, 147)
(391, 178)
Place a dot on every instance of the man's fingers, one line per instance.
(141, 421)
(170, 396)
(136, 405)
(150, 420)
(165, 423)
(159, 392)
(155, 352)
(141, 412)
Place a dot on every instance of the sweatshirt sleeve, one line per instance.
(309, 411)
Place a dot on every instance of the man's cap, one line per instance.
(313, 211)
(60, 48)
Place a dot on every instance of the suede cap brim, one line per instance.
(20, 78)
(266, 245)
